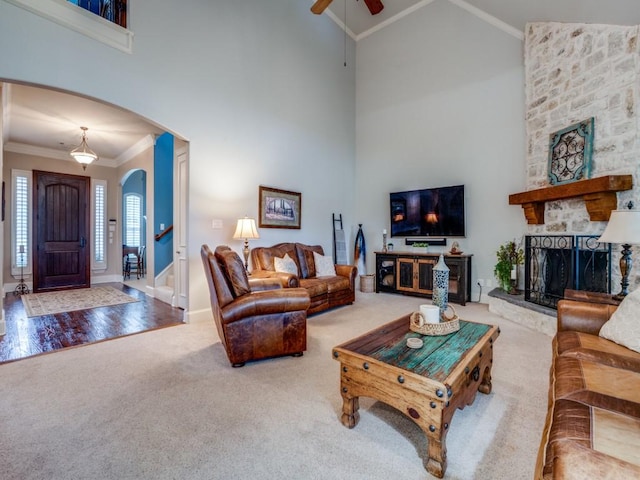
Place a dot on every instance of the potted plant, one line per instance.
(506, 270)
(420, 247)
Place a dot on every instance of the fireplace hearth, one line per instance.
(554, 263)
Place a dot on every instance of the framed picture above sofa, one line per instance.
(279, 208)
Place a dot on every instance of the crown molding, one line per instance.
(137, 148)
(394, 19)
(490, 19)
(481, 14)
(25, 149)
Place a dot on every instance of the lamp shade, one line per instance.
(623, 228)
(246, 228)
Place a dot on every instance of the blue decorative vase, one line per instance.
(441, 285)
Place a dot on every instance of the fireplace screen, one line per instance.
(554, 263)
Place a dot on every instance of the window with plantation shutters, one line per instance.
(21, 225)
(132, 219)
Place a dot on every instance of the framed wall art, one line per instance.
(279, 208)
(570, 153)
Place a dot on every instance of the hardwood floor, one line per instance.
(27, 337)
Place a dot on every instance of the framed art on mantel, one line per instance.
(279, 208)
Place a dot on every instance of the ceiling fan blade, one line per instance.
(375, 6)
(320, 6)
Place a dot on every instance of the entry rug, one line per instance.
(48, 303)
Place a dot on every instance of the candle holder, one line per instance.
(384, 242)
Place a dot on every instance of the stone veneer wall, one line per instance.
(573, 72)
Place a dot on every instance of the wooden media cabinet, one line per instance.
(411, 273)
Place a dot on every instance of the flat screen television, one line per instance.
(431, 212)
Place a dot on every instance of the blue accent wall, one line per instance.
(163, 200)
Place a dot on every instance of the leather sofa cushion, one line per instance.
(597, 385)
(590, 347)
(337, 283)
(315, 286)
(575, 462)
(234, 268)
(305, 259)
(597, 429)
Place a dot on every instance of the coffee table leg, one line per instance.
(350, 414)
(485, 385)
(437, 452)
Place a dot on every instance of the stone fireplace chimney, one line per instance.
(574, 72)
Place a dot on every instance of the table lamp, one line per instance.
(623, 228)
(246, 228)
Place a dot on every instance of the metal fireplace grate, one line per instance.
(554, 263)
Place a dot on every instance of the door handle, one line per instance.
(83, 242)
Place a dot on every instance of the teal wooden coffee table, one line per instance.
(426, 384)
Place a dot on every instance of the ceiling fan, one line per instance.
(375, 6)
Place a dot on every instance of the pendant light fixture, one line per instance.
(82, 153)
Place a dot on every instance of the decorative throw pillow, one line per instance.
(285, 264)
(324, 265)
(623, 327)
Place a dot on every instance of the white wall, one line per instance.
(440, 101)
(257, 88)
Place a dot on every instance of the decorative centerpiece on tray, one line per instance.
(441, 285)
(429, 321)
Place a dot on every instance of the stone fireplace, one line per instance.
(574, 72)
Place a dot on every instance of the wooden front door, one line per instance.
(61, 231)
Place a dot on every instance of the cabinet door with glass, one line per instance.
(415, 275)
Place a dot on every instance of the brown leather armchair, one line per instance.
(255, 318)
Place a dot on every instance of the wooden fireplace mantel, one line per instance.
(599, 195)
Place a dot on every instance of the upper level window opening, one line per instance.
(113, 10)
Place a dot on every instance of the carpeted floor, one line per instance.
(167, 405)
(47, 303)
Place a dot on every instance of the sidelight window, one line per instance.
(21, 224)
(99, 257)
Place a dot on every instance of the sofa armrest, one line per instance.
(266, 302)
(258, 284)
(349, 271)
(582, 316)
(287, 280)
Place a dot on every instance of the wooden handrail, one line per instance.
(163, 233)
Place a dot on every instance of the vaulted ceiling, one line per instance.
(515, 13)
(50, 120)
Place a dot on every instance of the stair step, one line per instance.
(165, 294)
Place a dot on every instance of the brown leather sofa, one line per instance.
(255, 319)
(592, 429)
(325, 292)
